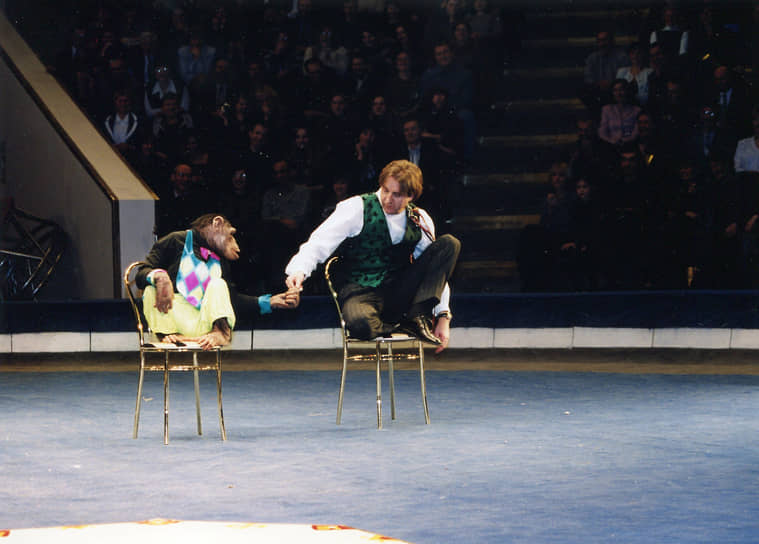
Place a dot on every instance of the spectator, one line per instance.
(123, 126)
(636, 74)
(600, 71)
(426, 155)
(402, 89)
(331, 54)
(730, 100)
(306, 162)
(314, 90)
(256, 159)
(627, 210)
(162, 84)
(143, 59)
(337, 131)
(170, 128)
(361, 81)
(592, 158)
(747, 153)
(385, 127)
(726, 268)
(230, 126)
(285, 211)
(485, 24)
(619, 120)
(367, 162)
(580, 250)
(240, 202)
(338, 193)
(674, 118)
(687, 230)
(196, 58)
(441, 124)
(458, 83)
(151, 167)
(672, 38)
(183, 200)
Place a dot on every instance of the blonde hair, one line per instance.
(407, 174)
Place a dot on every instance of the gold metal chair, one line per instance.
(149, 344)
(383, 351)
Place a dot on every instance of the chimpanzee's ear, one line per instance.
(218, 222)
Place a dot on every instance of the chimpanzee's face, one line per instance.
(223, 240)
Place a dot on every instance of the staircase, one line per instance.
(527, 130)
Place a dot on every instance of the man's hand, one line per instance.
(295, 282)
(287, 300)
(442, 331)
(164, 296)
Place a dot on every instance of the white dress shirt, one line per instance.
(347, 221)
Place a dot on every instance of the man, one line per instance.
(122, 125)
(601, 69)
(186, 298)
(459, 84)
(395, 273)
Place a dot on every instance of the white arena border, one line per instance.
(461, 338)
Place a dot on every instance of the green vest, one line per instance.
(370, 257)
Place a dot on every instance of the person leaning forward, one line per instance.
(185, 294)
(395, 273)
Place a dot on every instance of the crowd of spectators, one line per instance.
(272, 113)
(662, 188)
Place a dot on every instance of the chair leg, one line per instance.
(391, 379)
(166, 399)
(424, 385)
(138, 405)
(218, 395)
(379, 387)
(342, 384)
(197, 391)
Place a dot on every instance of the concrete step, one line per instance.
(531, 117)
(485, 276)
(576, 20)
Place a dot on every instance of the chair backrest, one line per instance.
(329, 275)
(130, 286)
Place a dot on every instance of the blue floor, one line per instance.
(528, 457)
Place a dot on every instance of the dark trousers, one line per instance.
(375, 311)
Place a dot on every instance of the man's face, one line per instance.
(585, 129)
(443, 55)
(122, 104)
(392, 199)
(438, 100)
(181, 177)
(627, 161)
(257, 135)
(603, 40)
(301, 138)
(281, 171)
(402, 62)
(337, 105)
(169, 107)
(721, 78)
(644, 125)
(411, 132)
(378, 106)
(582, 189)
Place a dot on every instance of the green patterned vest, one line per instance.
(369, 257)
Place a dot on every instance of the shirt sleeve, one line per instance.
(424, 243)
(346, 221)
